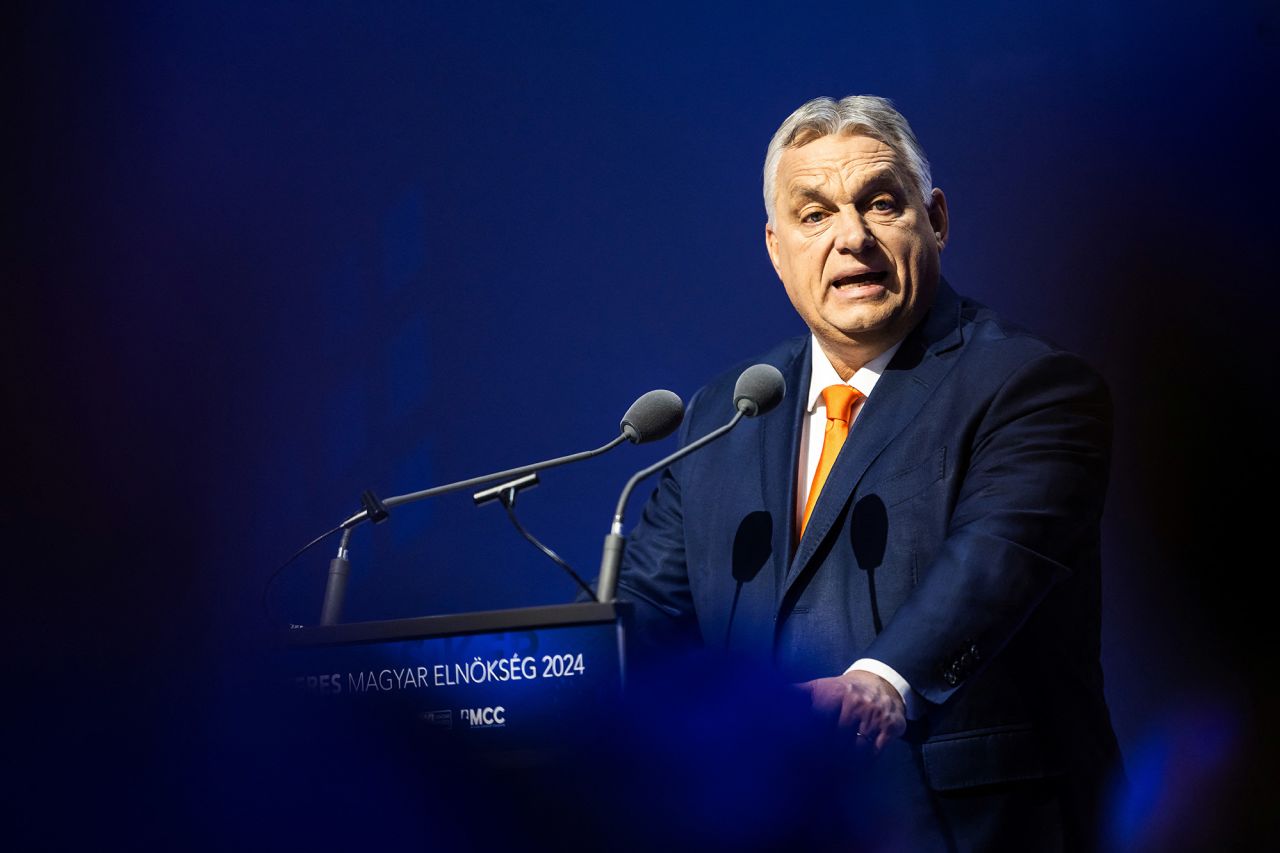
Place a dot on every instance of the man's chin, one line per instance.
(866, 324)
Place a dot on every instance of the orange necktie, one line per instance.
(839, 400)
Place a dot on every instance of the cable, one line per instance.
(508, 503)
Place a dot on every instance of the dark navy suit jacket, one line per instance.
(956, 540)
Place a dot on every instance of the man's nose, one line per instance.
(852, 234)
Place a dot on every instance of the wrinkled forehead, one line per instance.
(849, 160)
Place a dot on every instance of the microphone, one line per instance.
(655, 415)
(758, 391)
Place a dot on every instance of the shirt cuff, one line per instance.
(889, 674)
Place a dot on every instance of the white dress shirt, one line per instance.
(823, 375)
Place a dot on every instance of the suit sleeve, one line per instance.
(1028, 508)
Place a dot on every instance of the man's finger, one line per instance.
(865, 742)
(851, 715)
(882, 740)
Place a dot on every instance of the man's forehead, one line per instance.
(838, 157)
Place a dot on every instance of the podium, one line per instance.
(492, 681)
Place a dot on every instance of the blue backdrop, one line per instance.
(270, 255)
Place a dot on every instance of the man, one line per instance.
(914, 535)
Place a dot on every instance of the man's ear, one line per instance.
(771, 246)
(938, 218)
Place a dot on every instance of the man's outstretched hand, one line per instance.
(863, 704)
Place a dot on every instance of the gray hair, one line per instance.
(864, 114)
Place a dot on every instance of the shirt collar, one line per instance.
(823, 374)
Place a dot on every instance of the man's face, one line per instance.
(853, 243)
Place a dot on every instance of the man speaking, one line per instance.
(914, 535)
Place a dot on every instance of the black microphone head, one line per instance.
(655, 415)
(759, 389)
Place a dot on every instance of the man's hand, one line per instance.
(865, 705)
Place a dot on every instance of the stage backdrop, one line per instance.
(271, 255)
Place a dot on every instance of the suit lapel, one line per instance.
(779, 455)
(899, 394)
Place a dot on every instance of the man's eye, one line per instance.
(884, 205)
(813, 216)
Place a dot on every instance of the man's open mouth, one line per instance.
(860, 279)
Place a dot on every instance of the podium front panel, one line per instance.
(502, 680)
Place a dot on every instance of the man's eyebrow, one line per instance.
(884, 178)
(809, 194)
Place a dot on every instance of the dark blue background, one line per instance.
(269, 255)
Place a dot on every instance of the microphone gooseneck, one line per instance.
(663, 463)
(509, 474)
(758, 391)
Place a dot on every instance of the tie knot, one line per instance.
(840, 400)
